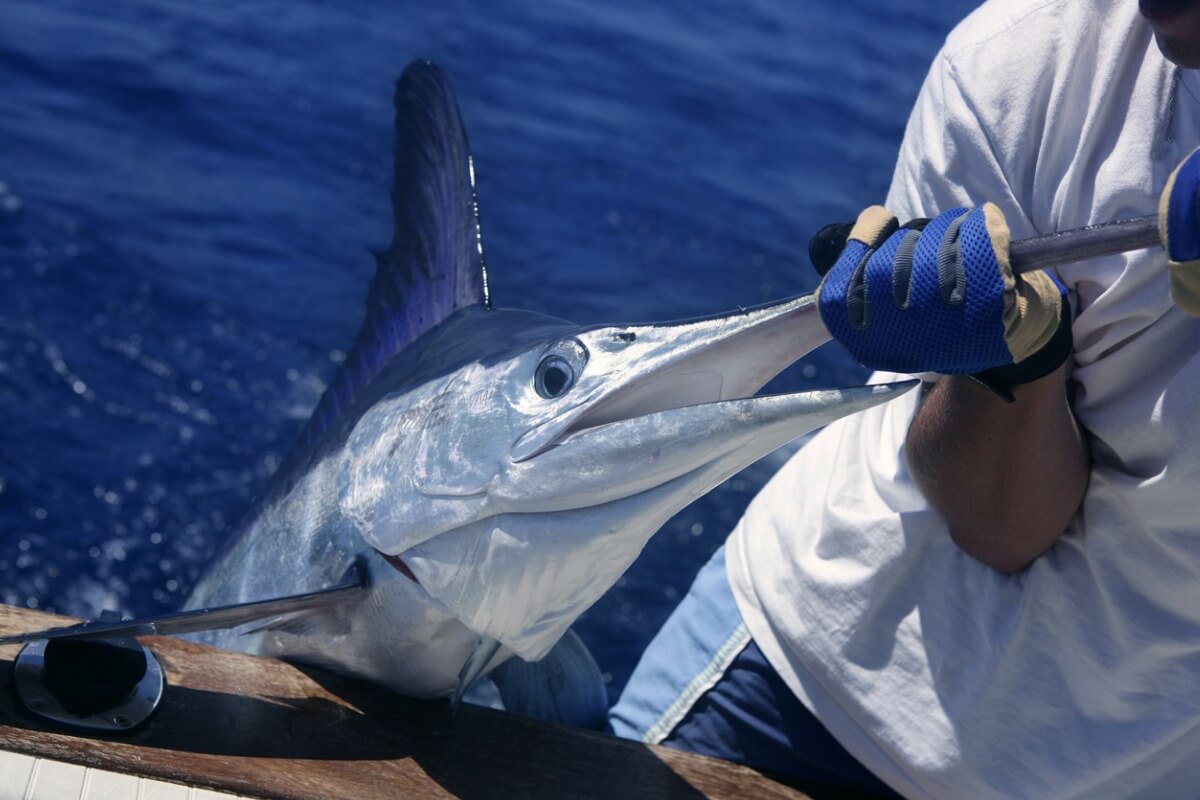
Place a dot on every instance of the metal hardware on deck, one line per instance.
(118, 700)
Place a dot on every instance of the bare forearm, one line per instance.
(1006, 477)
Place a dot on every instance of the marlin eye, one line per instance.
(554, 377)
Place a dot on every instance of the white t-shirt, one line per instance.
(1079, 677)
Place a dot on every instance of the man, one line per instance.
(990, 588)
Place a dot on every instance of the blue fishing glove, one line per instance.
(938, 296)
(1179, 229)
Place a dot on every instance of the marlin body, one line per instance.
(493, 472)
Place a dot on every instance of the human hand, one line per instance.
(939, 296)
(1179, 229)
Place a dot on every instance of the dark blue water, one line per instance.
(189, 194)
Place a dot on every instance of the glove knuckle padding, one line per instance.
(873, 225)
(1179, 230)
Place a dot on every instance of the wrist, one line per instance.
(1003, 380)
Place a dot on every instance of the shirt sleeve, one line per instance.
(947, 159)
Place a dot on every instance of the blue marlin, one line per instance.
(475, 478)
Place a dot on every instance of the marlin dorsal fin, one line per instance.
(434, 264)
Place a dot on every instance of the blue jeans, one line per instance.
(703, 685)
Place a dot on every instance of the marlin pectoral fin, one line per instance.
(297, 623)
(477, 662)
(565, 686)
(351, 585)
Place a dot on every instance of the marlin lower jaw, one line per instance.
(596, 465)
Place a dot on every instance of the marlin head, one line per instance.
(518, 487)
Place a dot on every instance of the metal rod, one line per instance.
(1080, 244)
(205, 619)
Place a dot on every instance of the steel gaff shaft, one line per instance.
(1081, 244)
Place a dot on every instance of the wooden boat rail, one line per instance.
(264, 728)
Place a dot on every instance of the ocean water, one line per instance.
(189, 194)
